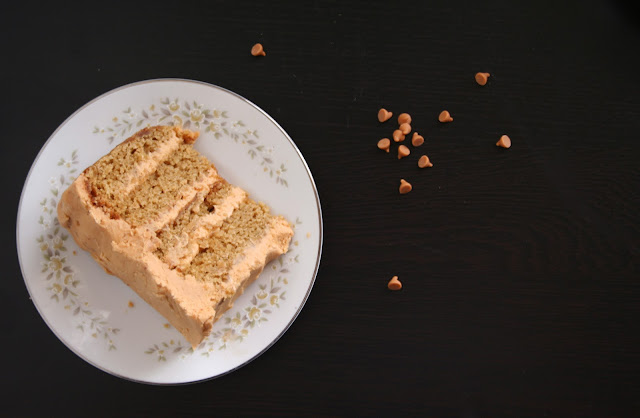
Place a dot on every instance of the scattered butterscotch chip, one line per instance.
(403, 151)
(74, 252)
(394, 283)
(405, 128)
(167, 325)
(398, 136)
(384, 115)
(504, 142)
(404, 118)
(384, 144)
(405, 186)
(417, 139)
(131, 305)
(308, 234)
(445, 116)
(424, 162)
(482, 78)
(258, 50)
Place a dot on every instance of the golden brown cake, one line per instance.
(155, 213)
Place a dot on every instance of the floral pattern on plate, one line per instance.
(59, 275)
(101, 319)
(190, 114)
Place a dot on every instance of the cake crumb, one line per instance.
(308, 234)
(131, 304)
(394, 283)
(167, 325)
(482, 78)
(445, 116)
(258, 50)
(504, 142)
(74, 252)
(384, 115)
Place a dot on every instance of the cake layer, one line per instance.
(174, 180)
(127, 165)
(251, 263)
(220, 250)
(179, 239)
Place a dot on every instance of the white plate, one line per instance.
(101, 319)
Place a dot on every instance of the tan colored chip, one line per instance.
(258, 50)
(403, 151)
(445, 116)
(405, 186)
(398, 136)
(384, 144)
(404, 118)
(424, 162)
(394, 284)
(417, 139)
(405, 128)
(482, 78)
(384, 115)
(504, 142)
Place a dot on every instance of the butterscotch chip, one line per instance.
(398, 136)
(405, 128)
(258, 50)
(445, 116)
(384, 115)
(482, 78)
(504, 142)
(394, 283)
(424, 162)
(417, 139)
(405, 186)
(404, 118)
(403, 151)
(131, 305)
(384, 144)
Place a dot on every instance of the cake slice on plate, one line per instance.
(155, 213)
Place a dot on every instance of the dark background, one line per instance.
(520, 267)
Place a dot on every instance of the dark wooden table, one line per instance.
(521, 267)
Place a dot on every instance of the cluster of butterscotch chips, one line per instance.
(399, 135)
(404, 129)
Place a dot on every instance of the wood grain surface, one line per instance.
(520, 267)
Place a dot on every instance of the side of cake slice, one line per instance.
(157, 214)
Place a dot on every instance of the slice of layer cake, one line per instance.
(155, 213)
